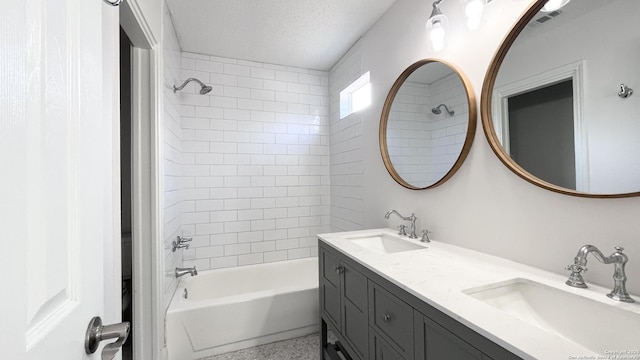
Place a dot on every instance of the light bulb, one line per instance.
(474, 9)
(437, 46)
(436, 27)
(437, 33)
(473, 23)
(553, 5)
(436, 36)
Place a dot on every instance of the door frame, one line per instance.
(146, 185)
(573, 71)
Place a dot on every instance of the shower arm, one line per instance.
(450, 112)
(186, 82)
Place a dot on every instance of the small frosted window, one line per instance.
(356, 96)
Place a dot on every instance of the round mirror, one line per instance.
(557, 103)
(427, 125)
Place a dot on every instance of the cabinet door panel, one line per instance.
(434, 342)
(355, 329)
(329, 289)
(330, 268)
(380, 349)
(354, 313)
(331, 303)
(354, 287)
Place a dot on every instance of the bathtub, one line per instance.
(236, 308)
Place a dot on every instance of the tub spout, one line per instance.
(184, 271)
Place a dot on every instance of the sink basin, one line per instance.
(597, 326)
(384, 243)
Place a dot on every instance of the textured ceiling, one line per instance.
(310, 34)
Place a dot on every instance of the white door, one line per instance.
(56, 187)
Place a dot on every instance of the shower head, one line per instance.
(436, 110)
(203, 90)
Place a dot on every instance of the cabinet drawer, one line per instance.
(330, 266)
(380, 348)
(392, 318)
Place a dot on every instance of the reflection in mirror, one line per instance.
(427, 126)
(556, 109)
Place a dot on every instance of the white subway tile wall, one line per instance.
(172, 134)
(423, 145)
(346, 148)
(255, 154)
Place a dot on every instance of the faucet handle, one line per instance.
(575, 279)
(425, 236)
(576, 268)
(402, 230)
(619, 249)
(182, 239)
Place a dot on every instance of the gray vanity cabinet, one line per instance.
(343, 294)
(374, 319)
(435, 342)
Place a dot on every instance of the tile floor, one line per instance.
(301, 348)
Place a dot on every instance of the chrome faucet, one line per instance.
(412, 218)
(618, 259)
(184, 271)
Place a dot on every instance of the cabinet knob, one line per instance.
(338, 269)
(386, 317)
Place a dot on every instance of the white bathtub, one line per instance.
(236, 308)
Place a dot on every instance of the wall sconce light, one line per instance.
(553, 5)
(437, 27)
(473, 10)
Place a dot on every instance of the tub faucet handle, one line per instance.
(180, 243)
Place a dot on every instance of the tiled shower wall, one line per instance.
(423, 145)
(346, 148)
(256, 162)
(172, 158)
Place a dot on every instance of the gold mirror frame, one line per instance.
(487, 119)
(471, 128)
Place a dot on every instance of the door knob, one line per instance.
(96, 332)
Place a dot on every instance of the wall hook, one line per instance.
(625, 91)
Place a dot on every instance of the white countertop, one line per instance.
(439, 274)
